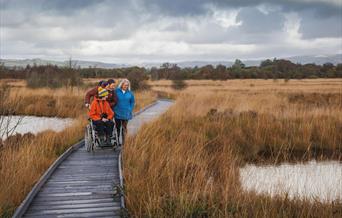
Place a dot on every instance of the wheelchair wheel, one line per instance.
(89, 144)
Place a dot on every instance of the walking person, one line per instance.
(112, 98)
(123, 110)
(109, 86)
(101, 115)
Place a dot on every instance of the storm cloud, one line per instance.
(131, 31)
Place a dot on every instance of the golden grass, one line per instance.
(13, 82)
(144, 98)
(22, 164)
(25, 159)
(186, 163)
(50, 103)
(61, 102)
(305, 85)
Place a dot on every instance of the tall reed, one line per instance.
(186, 164)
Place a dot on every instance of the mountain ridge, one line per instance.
(317, 59)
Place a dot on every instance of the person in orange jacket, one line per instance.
(101, 115)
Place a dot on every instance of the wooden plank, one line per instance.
(74, 190)
(75, 211)
(87, 185)
(112, 214)
(73, 198)
(65, 194)
(84, 175)
(85, 164)
(74, 206)
(89, 180)
(75, 182)
(79, 180)
(84, 157)
(71, 202)
(90, 171)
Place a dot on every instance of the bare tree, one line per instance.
(8, 122)
(72, 64)
(8, 125)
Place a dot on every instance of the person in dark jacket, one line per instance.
(112, 97)
(108, 85)
(123, 110)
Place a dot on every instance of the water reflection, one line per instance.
(33, 124)
(312, 180)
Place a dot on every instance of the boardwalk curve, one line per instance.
(82, 184)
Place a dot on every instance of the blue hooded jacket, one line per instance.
(124, 107)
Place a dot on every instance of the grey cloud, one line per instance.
(254, 21)
(255, 27)
(116, 19)
(195, 7)
(67, 6)
(56, 5)
(311, 27)
(51, 27)
(174, 7)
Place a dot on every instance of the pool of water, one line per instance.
(312, 180)
(33, 124)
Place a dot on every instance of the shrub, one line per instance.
(178, 84)
(52, 77)
(138, 78)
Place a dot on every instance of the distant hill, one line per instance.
(317, 59)
(75, 63)
(184, 64)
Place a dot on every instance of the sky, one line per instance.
(135, 31)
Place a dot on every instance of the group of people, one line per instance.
(110, 101)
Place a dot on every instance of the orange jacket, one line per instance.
(98, 107)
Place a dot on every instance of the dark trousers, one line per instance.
(118, 123)
(103, 128)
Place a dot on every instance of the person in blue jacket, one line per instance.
(123, 109)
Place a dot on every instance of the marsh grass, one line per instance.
(22, 163)
(186, 163)
(24, 158)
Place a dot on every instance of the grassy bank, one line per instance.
(23, 159)
(186, 163)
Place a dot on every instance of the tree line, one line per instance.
(268, 69)
(54, 76)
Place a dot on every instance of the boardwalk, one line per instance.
(83, 184)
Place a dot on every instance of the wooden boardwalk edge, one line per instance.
(20, 211)
(23, 207)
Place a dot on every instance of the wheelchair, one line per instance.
(92, 140)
